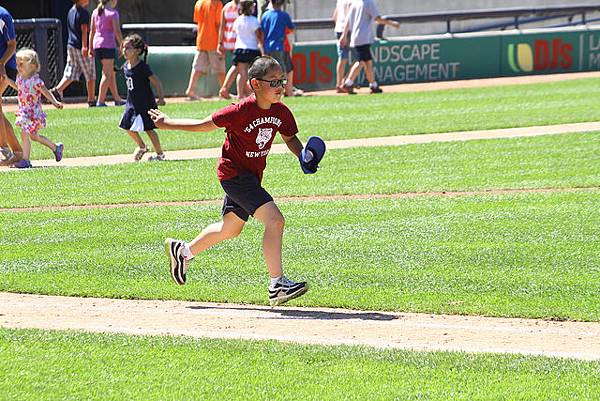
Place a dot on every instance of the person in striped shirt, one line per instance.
(227, 37)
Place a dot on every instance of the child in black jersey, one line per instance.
(140, 98)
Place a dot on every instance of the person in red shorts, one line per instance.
(250, 126)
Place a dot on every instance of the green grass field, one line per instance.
(556, 161)
(89, 132)
(68, 365)
(514, 255)
(496, 254)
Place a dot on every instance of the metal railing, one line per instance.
(516, 14)
(44, 35)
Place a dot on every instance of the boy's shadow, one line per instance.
(307, 314)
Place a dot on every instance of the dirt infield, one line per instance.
(341, 144)
(425, 332)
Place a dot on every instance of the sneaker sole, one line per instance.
(280, 301)
(171, 248)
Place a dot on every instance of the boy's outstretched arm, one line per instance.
(293, 144)
(162, 121)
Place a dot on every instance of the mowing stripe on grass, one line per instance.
(549, 161)
(67, 365)
(518, 255)
(500, 191)
(342, 144)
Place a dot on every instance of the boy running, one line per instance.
(250, 128)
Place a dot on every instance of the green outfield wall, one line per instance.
(420, 59)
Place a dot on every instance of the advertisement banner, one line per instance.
(407, 61)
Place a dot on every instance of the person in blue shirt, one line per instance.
(273, 24)
(79, 59)
(9, 145)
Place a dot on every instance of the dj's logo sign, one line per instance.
(544, 55)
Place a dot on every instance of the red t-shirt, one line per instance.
(250, 133)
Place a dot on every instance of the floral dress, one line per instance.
(30, 116)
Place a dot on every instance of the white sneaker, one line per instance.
(284, 290)
(178, 263)
(157, 157)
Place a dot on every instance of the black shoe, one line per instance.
(56, 94)
(92, 103)
(376, 89)
(178, 263)
(285, 290)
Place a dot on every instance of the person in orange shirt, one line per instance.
(207, 14)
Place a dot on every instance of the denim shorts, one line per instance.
(342, 52)
(243, 195)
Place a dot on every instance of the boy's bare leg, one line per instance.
(230, 227)
(274, 222)
(155, 141)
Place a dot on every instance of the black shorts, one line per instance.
(244, 56)
(102, 53)
(362, 53)
(243, 195)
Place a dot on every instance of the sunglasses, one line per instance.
(275, 83)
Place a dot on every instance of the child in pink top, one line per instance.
(30, 116)
(105, 36)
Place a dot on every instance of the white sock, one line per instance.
(186, 252)
(348, 82)
(374, 85)
(275, 280)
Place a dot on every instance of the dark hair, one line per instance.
(138, 43)
(277, 3)
(246, 7)
(101, 6)
(260, 66)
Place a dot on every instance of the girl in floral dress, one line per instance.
(30, 116)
